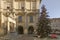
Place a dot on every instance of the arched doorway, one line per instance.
(20, 30)
(30, 30)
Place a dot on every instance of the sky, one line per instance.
(53, 7)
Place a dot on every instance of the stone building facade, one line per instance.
(27, 12)
(55, 24)
(21, 14)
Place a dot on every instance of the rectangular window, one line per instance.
(33, 5)
(22, 5)
(4, 5)
(20, 19)
(31, 19)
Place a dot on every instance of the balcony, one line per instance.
(32, 10)
(18, 10)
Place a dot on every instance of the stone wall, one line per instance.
(1, 31)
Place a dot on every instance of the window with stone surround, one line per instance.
(20, 19)
(33, 5)
(31, 19)
(22, 5)
(4, 4)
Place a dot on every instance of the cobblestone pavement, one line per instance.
(15, 36)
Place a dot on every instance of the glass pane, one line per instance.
(20, 18)
(31, 18)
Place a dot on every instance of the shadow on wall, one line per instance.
(2, 32)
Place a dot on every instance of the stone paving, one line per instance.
(14, 36)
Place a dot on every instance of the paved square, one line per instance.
(14, 36)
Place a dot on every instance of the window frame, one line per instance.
(20, 19)
(31, 19)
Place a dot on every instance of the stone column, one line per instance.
(8, 28)
(15, 27)
(26, 24)
(1, 19)
(25, 31)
